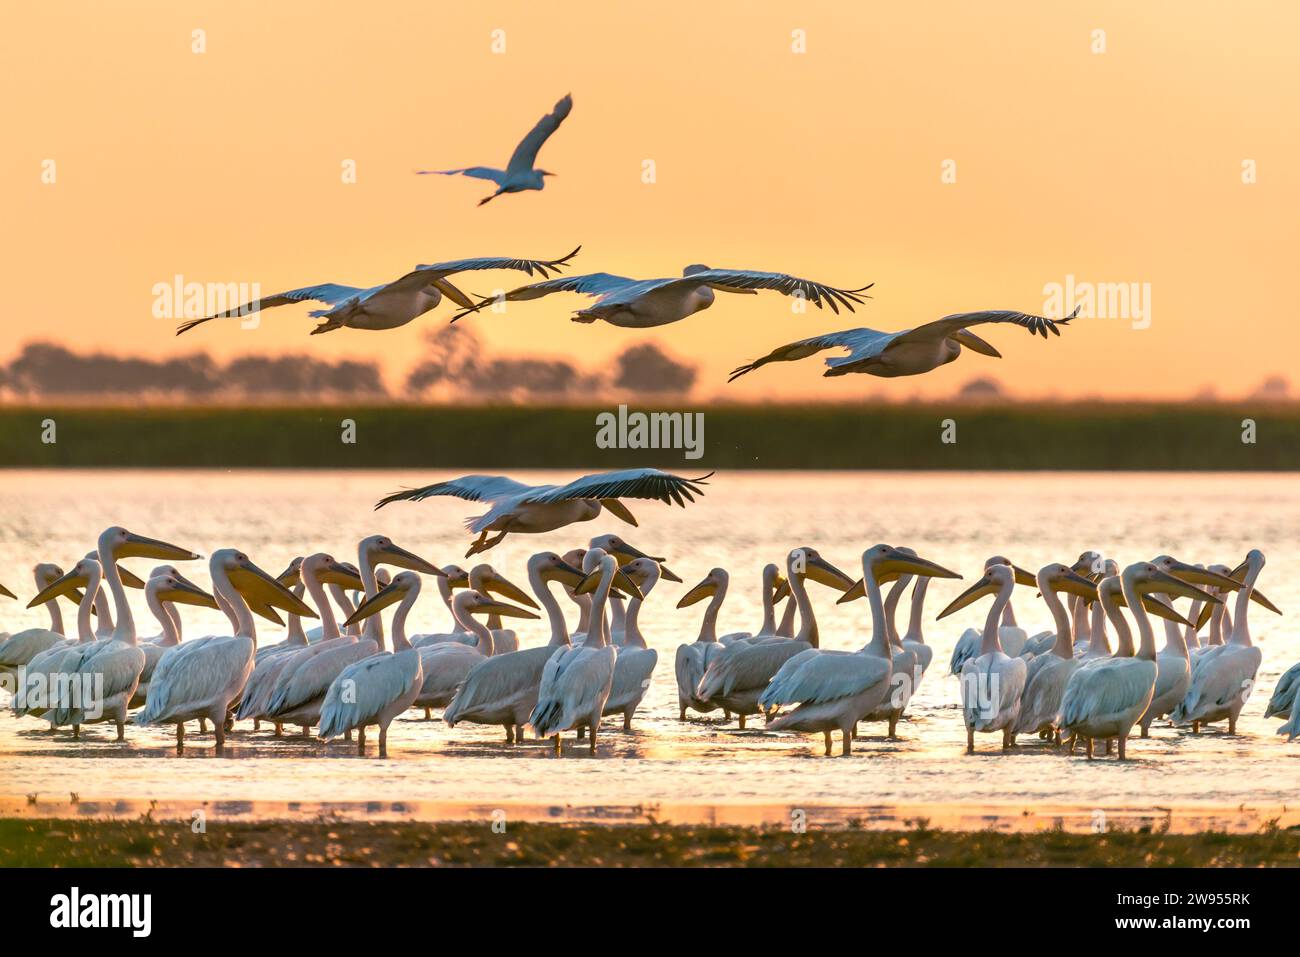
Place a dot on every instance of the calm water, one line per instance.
(700, 769)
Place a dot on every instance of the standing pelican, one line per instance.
(520, 173)
(695, 658)
(1225, 676)
(39, 689)
(646, 303)
(200, 679)
(1282, 702)
(21, 647)
(1011, 637)
(1047, 674)
(576, 680)
(636, 661)
(452, 577)
(625, 552)
(904, 669)
(503, 689)
(833, 691)
(1104, 699)
(389, 305)
(487, 580)
(909, 352)
(517, 507)
(165, 587)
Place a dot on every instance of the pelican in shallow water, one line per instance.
(487, 580)
(517, 507)
(1011, 637)
(39, 687)
(1282, 702)
(646, 303)
(520, 173)
(636, 660)
(910, 352)
(19, 648)
(695, 658)
(389, 305)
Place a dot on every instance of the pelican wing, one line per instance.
(643, 483)
(829, 677)
(749, 280)
(543, 267)
(497, 176)
(592, 284)
(525, 154)
(1279, 705)
(689, 667)
(958, 322)
(329, 293)
(632, 671)
(1106, 688)
(312, 674)
(861, 343)
(363, 689)
(1217, 681)
(495, 681)
(472, 488)
(745, 667)
(191, 673)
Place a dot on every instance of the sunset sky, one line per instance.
(1118, 167)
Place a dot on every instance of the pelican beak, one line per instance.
(138, 546)
(256, 584)
(629, 553)
(900, 563)
(498, 585)
(1081, 567)
(1163, 582)
(858, 590)
(1256, 595)
(263, 610)
(342, 574)
(291, 575)
(396, 555)
(61, 586)
(1161, 610)
(1074, 584)
(985, 586)
(1024, 577)
(186, 593)
(782, 590)
(619, 511)
(1206, 612)
(129, 578)
(505, 610)
(1201, 576)
(824, 573)
(7, 593)
(388, 595)
(566, 574)
(705, 589)
(621, 582)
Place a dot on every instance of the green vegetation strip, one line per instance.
(98, 843)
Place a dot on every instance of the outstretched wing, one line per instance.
(525, 154)
(626, 483)
(592, 284)
(950, 325)
(472, 488)
(329, 292)
(860, 343)
(497, 176)
(543, 267)
(747, 280)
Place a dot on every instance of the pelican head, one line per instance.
(329, 571)
(1087, 563)
(552, 568)
(457, 577)
(1057, 577)
(290, 576)
(179, 590)
(807, 562)
(708, 586)
(480, 603)
(255, 585)
(1148, 577)
(491, 581)
(889, 565)
(547, 172)
(644, 573)
(694, 269)
(626, 553)
(77, 577)
(381, 549)
(1112, 589)
(1195, 574)
(995, 578)
(121, 543)
(402, 584)
(1022, 577)
(593, 562)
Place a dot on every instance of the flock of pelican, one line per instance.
(1065, 686)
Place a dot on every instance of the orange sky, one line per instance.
(1115, 167)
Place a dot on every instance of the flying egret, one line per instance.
(909, 352)
(519, 174)
(391, 304)
(645, 303)
(517, 507)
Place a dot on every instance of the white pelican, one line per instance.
(1225, 676)
(1282, 702)
(904, 668)
(165, 587)
(1047, 674)
(738, 676)
(1105, 698)
(389, 305)
(771, 581)
(488, 581)
(834, 690)
(694, 659)
(503, 689)
(625, 552)
(1173, 674)
(645, 303)
(200, 679)
(1011, 637)
(577, 679)
(909, 352)
(992, 682)
(517, 507)
(636, 660)
(38, 687)
(452, 577)
(1292, 727)
(21, 647)
(520, 173)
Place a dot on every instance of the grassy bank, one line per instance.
(91, 843)
(1096, 436)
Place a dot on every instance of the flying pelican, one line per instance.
(832, 691)
(910, 352)
(576, 680)
(740, 674)
(1225, 676)
(391, 304)
(1047, 674)
(1104, 699)
(517, 507)
(646, 303)
(1011, 637)
(503, 689)
(200, 679)
(519, 174)
(636, 660)
(992, 682)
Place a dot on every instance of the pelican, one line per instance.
(519, 174)
(165, 586)
(576, 680)
(452, 577)
(488, 581)
(910, 352)
(695, 658)
(21, 647)
(1047, 674)
(992, 682)
(38, 689)
(517, 507)
(833, 691)
(636, 660)
(625, 552)
(503, 689)
(1011, 637)
(646, 303)
(200, 679)
(1225, 676)
(1282, 703)
(390, 305)
(739, 675)
(903, 667)
(1106, 698)
(771, 581)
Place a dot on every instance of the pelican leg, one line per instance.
(121, 730)
(828, 743)
(383, 740)
(582, 730)
(1146, 729)
(593, 736)
(428, 714)
(279, 730)
(203, 725)
(1232, 723)
(846, 742)
(1122, 741)
(1196, 727)
(726, 715)
(361, 740)
(180, 736)
(742, 722)
(219, 729)
(893, 727)
(627, 720)
(557, 745)
(1107, 751)
(1057, 740)
(510, 734)
(970, 740)
(1089, 749)
(484, 543)
(306, 731)
(519, 734)
(76, 732)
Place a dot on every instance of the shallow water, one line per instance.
(702, 769)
